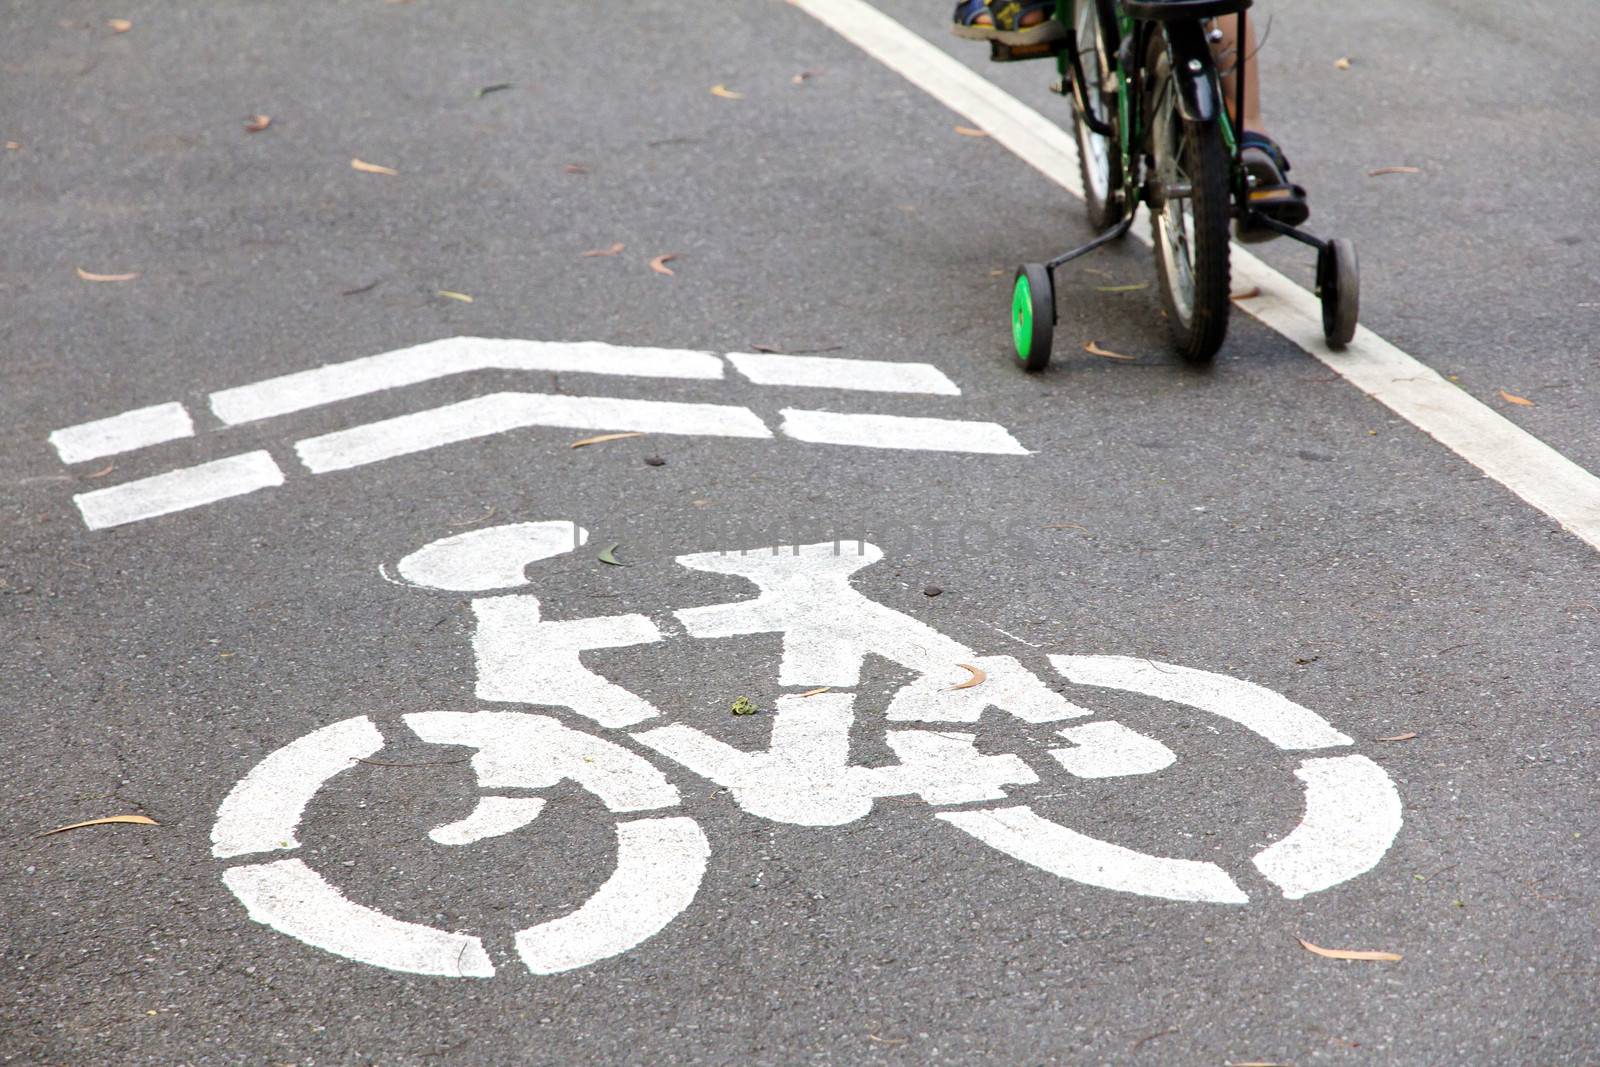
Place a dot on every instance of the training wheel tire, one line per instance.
(1339, 287)
(1033, 316)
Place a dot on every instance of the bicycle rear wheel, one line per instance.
(1189, 217)
(1099, 158)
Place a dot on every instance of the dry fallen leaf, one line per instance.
(968, 131)
(816, 692)
(141, 820)
(605, 437)
(613, 250)
(1342, 63)
(119, 25)
(1408, 735)
(1513, 398)
(1095, 350)
(451, 294)
(659, 264)
(978, 677)
(804, 76)
(576, 168)
(725, 92)
(1394, 170)
(1349, 954)
(257, 123)
(12, 146)
(373, 168)
(90, 276)
(1135, 287)
(1246, 294)
(103, 471)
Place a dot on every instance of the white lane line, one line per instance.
(179, 490)
(899, 431)
(122, 433)
(1352, 816)
(499, 412)
(1499, 448)
(293, 899)
(1023, 834)
(660, 864)
(830, 372)
(452, 355)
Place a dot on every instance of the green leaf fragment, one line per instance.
(743, 706)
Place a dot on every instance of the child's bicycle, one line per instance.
(1152, 128)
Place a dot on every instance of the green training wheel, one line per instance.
(1033, 316)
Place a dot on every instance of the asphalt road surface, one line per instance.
(1327, 680)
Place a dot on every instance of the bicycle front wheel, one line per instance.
(1189, 217)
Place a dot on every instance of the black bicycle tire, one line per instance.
(1207, 169)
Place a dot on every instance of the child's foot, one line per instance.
(1271, 194)
(1011, 22)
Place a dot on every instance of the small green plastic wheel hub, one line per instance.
(1022, 316)
(1033, 316)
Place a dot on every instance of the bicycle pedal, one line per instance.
(1272, 194)
(1000, 52)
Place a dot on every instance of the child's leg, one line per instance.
(1228, 55)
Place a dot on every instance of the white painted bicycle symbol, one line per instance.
(1351, 810)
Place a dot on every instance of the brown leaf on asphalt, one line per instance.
(1394, 170)
(1246, 294)
(141, 820)
(725, 92)
(91, 276)
(12, 146)
(1095, 350)
(103, 471)
(978, 677)
(613, 250)
(816, 692)
(1349, 954)
(119, 25)
(576, 168)
(804, 76)
(604, 438)
(373, 168)
(1342, 63)
(968, 131)
(257, 123)
(659, 264)
(1408, 735)
(1513, 398)
(451, 294)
